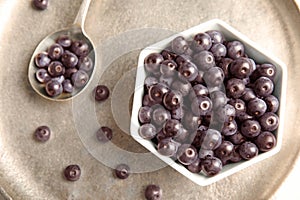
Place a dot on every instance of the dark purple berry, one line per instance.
(238, 104)
(145, 114)
(168, 68)
(224, 151)
(241, 68)
(235, 49)
(53, 88)
(204, 60)
(64, 41)
(211, 139)
(235, 88)
(235, 156)
(250, 128)
(42, 133)
(160, 115)
(188, 71)
(80, 48)
(172, 100)
(201, 105)
(67, 86)
(272, 103)
(147, 131)
(225, 113)
(187, 154)
(211, 166)
(179, 45)
(263, 87)
(214, 76)
(80, 78)
(42, 60)
(148, 102)
(202, 41)
(203, 153)
(219, 51)
(265, 141)
(42, 76)
(157, 92)
(55, 51)
(152, 62)
(122, 171)
(104, 134)
(269, 121)
(153, 192)
(167, 147)
(248, 150)
(195, 167)
(101, 93)
(72, 172)
(181, 59)
(224, 65)
(266, 70)
(237, 138)
(56, 68)
(69, 59)
(242, 116)
(199, 90)
(216, 36)
(40, 4)
(149, 81)
(85, 64)
(172, 127)
(256, 107)
(229, 128)
(248, 95)
(167, 54)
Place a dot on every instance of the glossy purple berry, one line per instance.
(241, 68)
(218, 98)
(69, 59)
(235, 88)
(179, 45)
(56, 68)
(80, 78)
(183, 86)
(211, 166)
(42, 133)
(64, 41)
(219, 51)
(256, 107)
(101, 93)
(168, 54)
(235, 49)
(147, 131)
(149, 81)
(80, 48)
(195, 167)
(248, 95)
(263, 87)
(248, 150)
(203, 153)
(183, 58)
(53, 88)
(153, 192)
(42, 75)
(160, 115)
(168, 68)
(250, 128)
(85, 63)
(201, 41)
(157, 92)
(216, 36)
(69, 72)
(269, 121)
(272, 103)
(224, 151)
(201, 105)
(188, 71)
(225, 113)
(173, 100)
(172, 127)
(72, 172)
(152, 62)
(214, 76)
(266, 70)
(187, 154)
(211, 139)
(122, 171)
(236, 138)
(40, 4)
(67, 86)
(104, 134)
(145, 114)
(229, 128)
(204, 60)
(42, 60)
(224, 64)
(167, 147)
(265, 141)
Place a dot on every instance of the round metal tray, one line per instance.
(120, 29)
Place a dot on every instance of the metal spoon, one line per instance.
(75, 31)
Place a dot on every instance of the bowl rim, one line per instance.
(227, 169)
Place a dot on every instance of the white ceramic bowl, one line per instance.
(255, 52)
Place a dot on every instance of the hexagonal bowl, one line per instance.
(255, 52)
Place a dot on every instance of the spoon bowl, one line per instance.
(74, 32)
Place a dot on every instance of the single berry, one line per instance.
(80, 78)
(211, 166)
(72, 172)
(248, 150)
(40, 4)
(122, 171)
(104, 134)
(42, 60)
(269, 121)
(187, 154)
(265, 141)
(153, 192)
(101, 93)
(42, 133)
(80, 48)
(55, 51)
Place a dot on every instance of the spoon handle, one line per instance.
(79, 20)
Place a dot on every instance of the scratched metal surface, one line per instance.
(30, 170)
